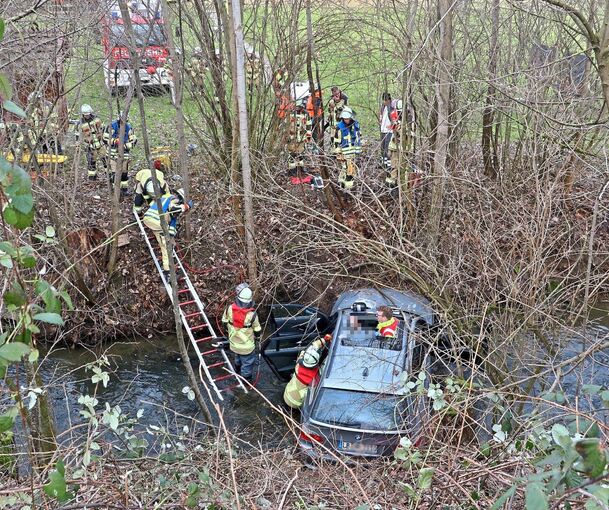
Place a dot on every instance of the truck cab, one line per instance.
(151, 47)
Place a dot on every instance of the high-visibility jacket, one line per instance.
(335, 107)
(300, 127)
(347, 139)
(92, 132)
(388, 328)
(112, 141)
(314, 102)
(242, 323)
(296, 390)
(144, 189)
(171, 206)
(284, 106)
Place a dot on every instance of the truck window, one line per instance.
(144, 36)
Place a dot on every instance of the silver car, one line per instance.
(358, 406)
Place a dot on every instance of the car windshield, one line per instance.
(145, 35)
(359, 330)
(360, 410)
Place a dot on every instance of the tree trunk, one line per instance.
(442, 88)
(239, 79)
(489, 155)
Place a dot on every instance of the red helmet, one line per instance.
(328, 338)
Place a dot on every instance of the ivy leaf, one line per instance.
(593, 459)
(14, 109)
(14, 351)
(535, 497)
(51, 318)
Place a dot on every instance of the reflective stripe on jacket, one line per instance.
(296, 390)
(112, 141)
(92, 132)
(300, 127)
(388, 328)
(347, 139)
(241, 338)
(171, 205)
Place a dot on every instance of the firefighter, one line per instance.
(387, 110)
(44, 125)
(144, 187)
(400, 141)
(111, 139)
(280, 77)
(347, 146)
(172, 206)
(306, 371)
(91, 131)
(252, 70)
(197, 67)
(387, 326)
(316, 113)
(241, 321)
(299, 134)
(335, 106)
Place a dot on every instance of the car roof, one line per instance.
(369, 369)
(374, 297)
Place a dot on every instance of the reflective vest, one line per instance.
(347, 139)
(152, 218)
(242, 323)
(112, 141)
(335, 108)
(284, 106)
(296, 390)
(388, 328)
(92, 132)
(312, 102)
(300, 127)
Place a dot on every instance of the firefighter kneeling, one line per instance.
(307, 368)
(144, 187)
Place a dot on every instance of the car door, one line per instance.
(293, 327)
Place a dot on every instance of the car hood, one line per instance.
(406, 301)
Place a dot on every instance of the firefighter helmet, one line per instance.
(86, 109)
(399, 105)
(347, 113)
(310, 358)
(244, 293)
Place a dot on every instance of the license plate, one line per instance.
(361, 448)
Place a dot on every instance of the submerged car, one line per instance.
(358, 405)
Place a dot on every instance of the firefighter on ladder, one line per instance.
(347, 146)
(172, 206)
(299, 134)
(144, 187)
(307, 369)
(241, 321)
(111, 139)
(91, 131)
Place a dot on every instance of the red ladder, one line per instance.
(214, 363)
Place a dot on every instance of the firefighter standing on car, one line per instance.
(241, 321)
(299, 134)
(91, 132)
(307, 369)
(347, 146)
(144, 187)
(111, 139)
(172, 206)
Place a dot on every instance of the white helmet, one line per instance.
(244, 293)
(86, 109)
(399, 105)
(347, 113)
(310, 358)
(180, 193)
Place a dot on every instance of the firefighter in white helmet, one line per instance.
(347, 146)
(241, 321)
(91, 132)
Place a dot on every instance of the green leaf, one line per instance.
(13, 108)
(16, 296)
(7, 247)
(51, 318)
(593, 459)
(6, 423)
(66, 297)
(561, 435)
(425, 477)
(591, 389)
(50, 231)
(18, 219)
(33, 356)
(604, 395)
(535, 497)
(2, 28)
(23, 202)
(14, 351)
(57, 488)
(6, 261)
(6, 91)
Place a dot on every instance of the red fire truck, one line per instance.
(151, 42)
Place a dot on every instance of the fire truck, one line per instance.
(151, 47)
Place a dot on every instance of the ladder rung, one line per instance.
(185, 303)
(204, 353)
(231, 387)
(219, 364)
(183, 291)
(222, 377)
(189, 315)
(200, 326)
(205, 339)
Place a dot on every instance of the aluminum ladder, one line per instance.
(214, 363)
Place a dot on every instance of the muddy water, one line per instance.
(149, 375)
